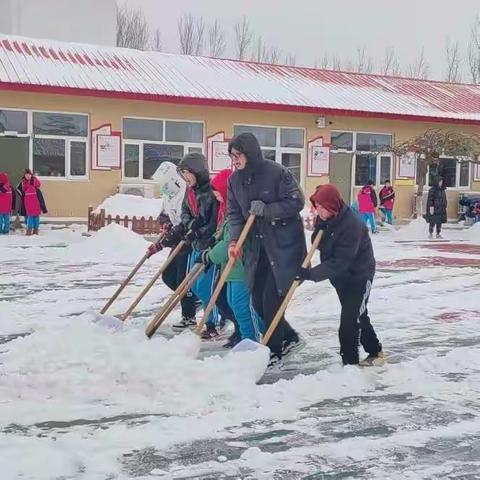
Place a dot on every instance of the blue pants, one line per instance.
(249, 322)
(4, 223)
(33, 222)
(388, 213)
(370, 218)
(204, 286)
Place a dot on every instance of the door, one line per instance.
(14, 158)
(341, 173)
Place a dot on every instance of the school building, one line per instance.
(92, 121)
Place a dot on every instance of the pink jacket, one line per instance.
(387, 197)
(6, 195)
(30, 198)
(367, 200)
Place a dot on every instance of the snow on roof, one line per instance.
(60, 67)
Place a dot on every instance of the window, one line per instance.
(13, 121)
(284, 145)
(67, 125)
(342, 141)
(266, 136)
(150, 142)
(369, 161)
(455, 173)
(143, 129)
(59, 145)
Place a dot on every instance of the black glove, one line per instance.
(195, 224)
(257, 208)
(303, 274)
(205, 259)
(190, 237)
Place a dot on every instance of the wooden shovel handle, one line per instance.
(291, 291)
(150, 284)
(172, 302)
(225, 273)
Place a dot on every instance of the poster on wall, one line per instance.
(318, 158)
(406, 166)
(320, 164)
(217, 152)
(220, 156)
(108, 151)
(110, 141)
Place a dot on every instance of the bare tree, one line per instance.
(324, 62)
(336, 63)
(364, 61)
(243, 38)
(191, 34)
(420, 68)
(216, 40)
(474, 51)
(260, 52)
(274, 55)
(132, 28)
(290, 59)
(452, 57)
(157, 41)
(390, 64)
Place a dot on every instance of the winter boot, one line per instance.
(430, 235)
(29, 232)
(35, 231)
(233, 339)
(275, 362)
(293, 344)
(439, 236)
(185, 322)
(373, 360)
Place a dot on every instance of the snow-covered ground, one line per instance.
(80, 401)
(131, 205)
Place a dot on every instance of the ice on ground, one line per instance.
(131, 205)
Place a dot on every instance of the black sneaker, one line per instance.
(291, 345)
(233, 340)
(275, 362)
(185, 322)
(210, 332)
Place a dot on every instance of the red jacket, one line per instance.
(6, 195)
(30, 197)
(367, 200)
(387, 197)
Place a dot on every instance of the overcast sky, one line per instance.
(309, 28)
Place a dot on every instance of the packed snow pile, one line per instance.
(131, 205)
(416, 230)
(110, 242)
(473, 233)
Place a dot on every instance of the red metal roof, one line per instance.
(60, 67)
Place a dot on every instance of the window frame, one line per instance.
(141, 143)
(457, 186)
(31, 136)
(278, 149)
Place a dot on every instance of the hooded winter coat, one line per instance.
(437, 198)
(7, 196)
(199, 207)
(280, 229)
(31, 202)
(367, 199)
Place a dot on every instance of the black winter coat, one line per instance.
(205, 220)
(280, 231)
(346, 250)
(437, 198)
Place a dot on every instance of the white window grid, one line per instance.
(67, 139)
(140, 143)
(278, 149)
(457, 186)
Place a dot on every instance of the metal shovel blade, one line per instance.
(248, 345)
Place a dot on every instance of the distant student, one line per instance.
(367, 204)
(33, 203)
(436, 207)
(387, 199)
(7, 203)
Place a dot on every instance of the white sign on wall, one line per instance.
(406, 166)
(108, 151)
(220, 157)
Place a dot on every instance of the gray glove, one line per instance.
(257, 208)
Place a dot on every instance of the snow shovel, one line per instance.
(248, 345)
(225, 274)
(172, 302)
(149, 285)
